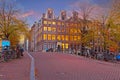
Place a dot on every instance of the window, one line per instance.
(63, 30)
(58, 37)
(45, 22)
(79, 25)
(78, 38)
(53, 29)
(79, 31)
(45, 28)
(49, 28)
(62, 36)
(53, 37)
(71, 24)
(44, 36)
(53, 23)
(58, 29)
(67, 30)
(49, 22)
(75, 25)
(67, 24)
(63, 45)
(63, 18)
(44, 46)
(62, 23)
(75, 38)
(49, 36)
(71, 30)
(59, 23)
(71, 38)
(75, 30)
(66, 37)
(66, 45)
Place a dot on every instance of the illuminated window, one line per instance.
(67, 30)
(66, 45)
(59, 23)
(67, 24)
(66, 37)
(58, 37)
(62, 23)
(79, 31)
(49, 28)
(59, 29)
(62, 36)
(71, 38)
(79, 25)
(45, 28)
(53, 23)
(75, 24)
(71, 30)
(49, 22)
(71, 24)
(44, 36)
(78, 38)
(63, 45)
(75, 38)
(75, 30)
(53, 29)
(45, 22)
(63, 30)
(49, 36)
(53, 37)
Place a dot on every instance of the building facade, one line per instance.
(60, 32)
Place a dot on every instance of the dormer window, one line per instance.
(63, 18)
(49, 16)
(63, 15)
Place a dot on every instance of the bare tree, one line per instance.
(9, 23)
(85, 11)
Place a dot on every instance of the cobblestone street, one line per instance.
(17, 69)
(55, 66)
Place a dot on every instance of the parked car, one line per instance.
(118, 57)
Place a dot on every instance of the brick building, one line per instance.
(53, 32)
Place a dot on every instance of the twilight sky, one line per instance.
(32, 9)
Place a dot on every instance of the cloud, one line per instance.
(27, 14)
(97, 10)
(31, 13)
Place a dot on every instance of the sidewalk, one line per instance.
(16, 69)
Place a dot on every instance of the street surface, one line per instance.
(16, 69)
(59, 66)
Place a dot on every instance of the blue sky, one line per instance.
(32, 9)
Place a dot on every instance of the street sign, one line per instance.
(5, 43)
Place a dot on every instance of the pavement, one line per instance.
(59, 66)
(16, 69)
